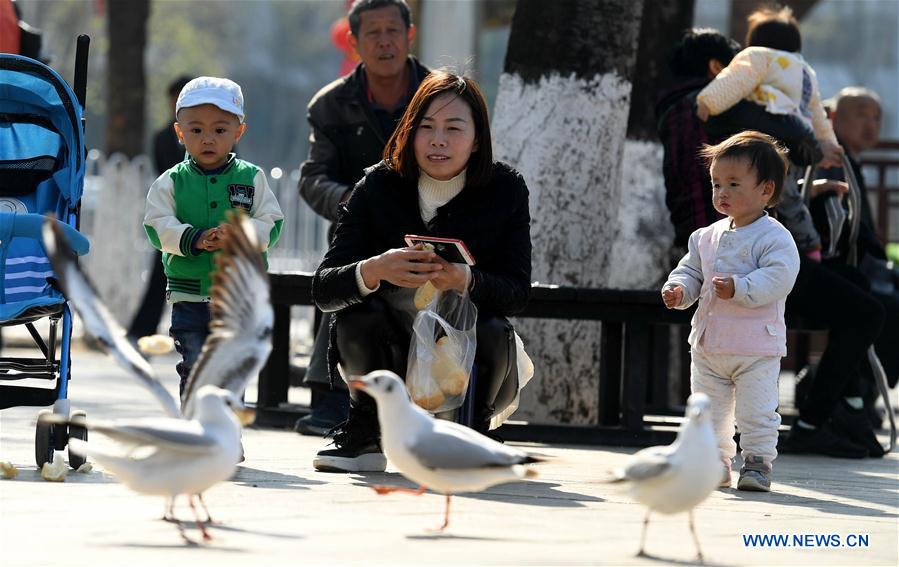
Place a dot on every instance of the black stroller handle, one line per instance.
(80, 84)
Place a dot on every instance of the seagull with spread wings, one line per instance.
(189, 453)
(241, 318)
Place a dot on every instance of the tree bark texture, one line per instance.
(561, 118)
(583, 37)
(125, 75)
(661, 26)
(640, 253)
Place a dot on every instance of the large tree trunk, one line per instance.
(661, 27)
(640, 252)
(125, 78)
(560, 118)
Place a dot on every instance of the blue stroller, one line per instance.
(41, 172)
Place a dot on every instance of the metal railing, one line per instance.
(881, 167)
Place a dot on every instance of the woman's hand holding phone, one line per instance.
(452, 276)
(403, 267)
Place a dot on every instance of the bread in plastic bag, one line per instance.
(442, 350)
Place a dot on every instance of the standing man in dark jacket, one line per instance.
(350, 121)
(168, 151)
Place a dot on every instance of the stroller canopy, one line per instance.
(30, 88)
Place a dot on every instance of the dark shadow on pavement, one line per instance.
(231, 528)
(535, 493)
(668, 561)
(246, 476)
(826, 505)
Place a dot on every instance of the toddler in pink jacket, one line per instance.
(741, 270)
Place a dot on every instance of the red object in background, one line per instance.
(339, 31)
(9, 28)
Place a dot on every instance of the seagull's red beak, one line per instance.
(356, 384)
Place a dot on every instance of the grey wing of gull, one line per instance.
(183, 439)
(97, 320)
(452, 446)
(241, 317)
(653, 462)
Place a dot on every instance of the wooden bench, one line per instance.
(630, 323)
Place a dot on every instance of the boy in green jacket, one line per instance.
(186, 206)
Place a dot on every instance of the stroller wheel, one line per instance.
(43, 440)
(77, 432)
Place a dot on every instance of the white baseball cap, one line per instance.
(223, 93)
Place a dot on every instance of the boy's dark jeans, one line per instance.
(190, 327)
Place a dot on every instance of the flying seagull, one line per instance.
(677, 477)
(437, 454)
(242, 319)
(236, 348)
(167, 456)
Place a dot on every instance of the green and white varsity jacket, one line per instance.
(185, 201)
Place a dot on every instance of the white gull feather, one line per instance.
(677, 477)
(189, 454)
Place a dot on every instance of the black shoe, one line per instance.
(874, 416)
(854, 425)
(330, 411)
(822, 441)
(356, 448)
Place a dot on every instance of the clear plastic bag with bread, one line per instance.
(441, 353)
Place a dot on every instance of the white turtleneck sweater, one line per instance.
(432, 194)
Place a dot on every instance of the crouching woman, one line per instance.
(437, 178)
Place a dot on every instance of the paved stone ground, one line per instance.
(279, 511)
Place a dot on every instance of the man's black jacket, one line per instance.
(345, 138)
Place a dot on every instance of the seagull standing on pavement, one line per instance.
(184, 453)
(437, 454)
(165, 456)
(676, 478)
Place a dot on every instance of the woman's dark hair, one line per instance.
(399, 154)
(774, 28)
(766, 156)
(696, 48)
(355, 14)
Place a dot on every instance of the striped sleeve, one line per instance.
(163, 228)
